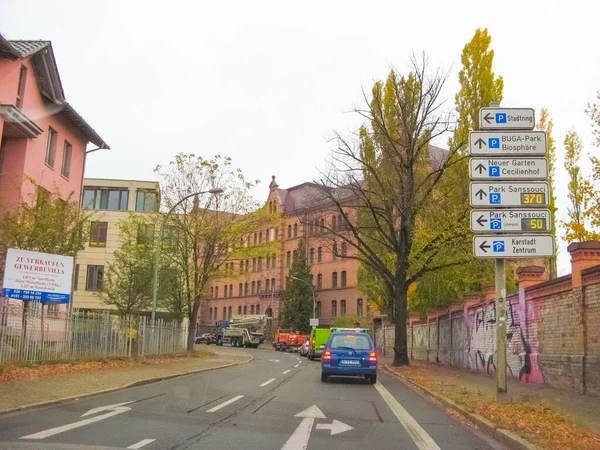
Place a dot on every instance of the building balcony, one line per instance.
(17, 124)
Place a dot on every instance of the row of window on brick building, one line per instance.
(255, 287)
(244, 289)
(227, 311)
(255, 309)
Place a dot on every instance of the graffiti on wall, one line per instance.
(481, 341)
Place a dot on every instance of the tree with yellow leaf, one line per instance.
(546, 124)
(580, 192)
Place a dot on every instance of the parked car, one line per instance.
(304, 348)
(202, 338)
(349, 354)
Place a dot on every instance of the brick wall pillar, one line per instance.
(530, 276)
(583, 256)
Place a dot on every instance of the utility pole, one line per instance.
(501, 387)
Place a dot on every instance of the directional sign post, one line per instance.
(508, 168)
(506, 118)
(505, 143)
(510, 171)
(513, 246)
(511, 220)
(510, 194)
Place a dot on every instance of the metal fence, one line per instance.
(34, 334)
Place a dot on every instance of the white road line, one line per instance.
(287, 371)
(299, 362)
(418, 434)
(267, 382)
(52, 431)
(141, 443)
(296, 365)
(224, 404)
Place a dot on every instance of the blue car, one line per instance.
(349, 354)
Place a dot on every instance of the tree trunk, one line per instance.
(193, 316)
(400, 338)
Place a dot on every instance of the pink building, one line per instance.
(42, 137)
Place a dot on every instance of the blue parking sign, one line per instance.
(498, 246)
(495, 198)
(500, 117)
(496, 223)
(494, 171)
(494, 142)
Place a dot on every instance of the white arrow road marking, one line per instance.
(336, 427)
(287, 371)
(141, 443)
(299, 439)
(114, 410)
(267, 382)
(224, 404)
(418, 434)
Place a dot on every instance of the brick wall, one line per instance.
(553, 331)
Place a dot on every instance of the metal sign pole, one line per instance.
(501, 387)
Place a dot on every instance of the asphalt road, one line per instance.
(275, 402)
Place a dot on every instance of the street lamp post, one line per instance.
(160, 243)
(312, 289)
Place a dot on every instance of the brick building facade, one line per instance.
(259, 288)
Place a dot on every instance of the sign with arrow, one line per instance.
(508, 143)
(508, 168)
(510, 220)
(513, 246)
(299, 439)
(534, 194)
(506, 119)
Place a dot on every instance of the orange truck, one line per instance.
(287, 340)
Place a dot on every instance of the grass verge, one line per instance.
(12, 372)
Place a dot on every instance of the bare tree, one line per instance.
(402, 207)
(206, 231)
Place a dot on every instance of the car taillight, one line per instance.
(373, 357)
(326, 355)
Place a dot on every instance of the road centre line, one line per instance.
(224, 404)
(287, 371)
(267, 382)
(296, 365)
(418, 434)
(141, 443)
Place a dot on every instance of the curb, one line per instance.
(502, 435)
(119, 388)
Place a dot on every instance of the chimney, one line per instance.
(530, 275)
(583, 256)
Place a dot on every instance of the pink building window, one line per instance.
(51, 147)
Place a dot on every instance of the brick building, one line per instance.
(258, 287)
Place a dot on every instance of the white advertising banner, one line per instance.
(36, 276)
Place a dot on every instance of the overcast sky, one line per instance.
(266, 82)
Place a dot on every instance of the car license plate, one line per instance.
(322, 346)
(350, 362)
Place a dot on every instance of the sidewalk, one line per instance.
(30, 392)
(531, 410)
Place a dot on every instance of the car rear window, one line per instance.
(355, 342)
